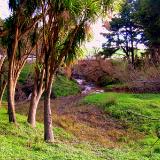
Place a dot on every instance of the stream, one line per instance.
(88, 87)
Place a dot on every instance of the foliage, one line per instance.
(148, 16)
(124, 33)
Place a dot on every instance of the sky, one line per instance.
(97, 28)
(98, 38)
(4, 10)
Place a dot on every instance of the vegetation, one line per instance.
(137, 111)
(104, 126)
(29, 141)
(124, 34)
(53, 43)
(65, 87)
(62, 86)
(148, 17)
(67, 146)
(134, 27)
(141, 110)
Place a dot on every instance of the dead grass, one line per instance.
(85, 122)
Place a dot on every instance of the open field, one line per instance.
(101, 126)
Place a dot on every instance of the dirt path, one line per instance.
(86, 122)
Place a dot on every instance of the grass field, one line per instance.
(140, 111)
(21, 142)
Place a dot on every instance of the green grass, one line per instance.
(21, 142)
(65, 87)
(120, 53)
(137, 109)
(140, 112)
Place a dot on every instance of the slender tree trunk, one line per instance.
(33, 109)
(33, 105)
(2, 61)
(132, 53)
(37, 92)
(48, 132)
(11, 102)
(3, 82)
(3, 87)
(133, 58)
(11, 80)
(132, 47)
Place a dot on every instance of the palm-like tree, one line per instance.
(63, 33)
(59, 47)
(18, 27)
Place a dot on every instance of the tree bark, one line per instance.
(3, 87)
(3, 82)
(48, 132)
(33, 109)
(34, 104)
(11, 102)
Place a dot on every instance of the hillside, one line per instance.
(85, 131)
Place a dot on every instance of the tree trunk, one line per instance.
(33, 106)
(11, 103)
(3, 87)
(48, 132)
(33, 109)
(133, 58)
(3, 82)
(11, 51)
(37, 92)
